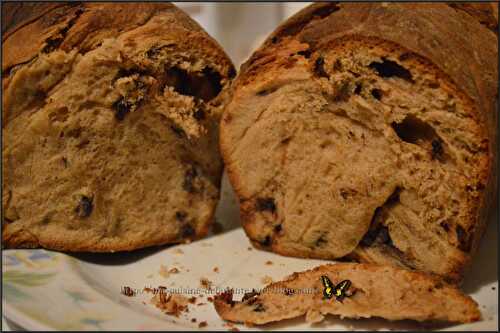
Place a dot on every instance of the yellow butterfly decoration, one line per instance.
(339, 290)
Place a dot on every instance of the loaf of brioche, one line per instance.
(110, 125)
(368, 130)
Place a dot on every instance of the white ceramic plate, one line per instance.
(45, 290)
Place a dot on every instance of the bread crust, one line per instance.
(427, 36)
(38, 32)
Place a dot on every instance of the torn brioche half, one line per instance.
(368, 131)
(375, 291)
(110, 126)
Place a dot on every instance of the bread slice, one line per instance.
(374, 291)
(368, 131)
(110, 126)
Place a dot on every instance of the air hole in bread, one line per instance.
(414, 130)
(204, 85)
(389, 68)
(378, 232)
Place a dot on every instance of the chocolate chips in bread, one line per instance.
(110, 126)
(368, 131)
(371, 291)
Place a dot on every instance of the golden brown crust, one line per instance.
(85, 25)
(485, 12)
(428, 38)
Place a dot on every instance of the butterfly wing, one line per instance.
(341, 288)
(328, 290)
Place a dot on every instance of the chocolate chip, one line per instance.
(320, 241)
(462, 238)
(264, 204)
(122, 107)
(277, 228)
(189, 177)
(319, 69)
(377, 94)
(305, 53)
(51, 44)
(153, 52)
(266, 242)
(180, 216)
(187, 231)
(358, 88)
(84, 208)
(437, 149)
(54, 42)
(199, 114)
(274, 40)
(259, 307)
(445, 226)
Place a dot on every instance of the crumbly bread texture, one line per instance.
(376, 291)
(368, 131)
(110, 126)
